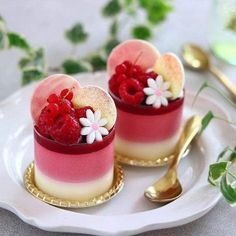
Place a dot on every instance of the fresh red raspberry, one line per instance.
(81, 112)
(53, 98)
(152, 75)
(53, 110)
(66, 130)
(113, 85)
(65, 107)
(44, 123)
(134, 71)
(131, 92)
(128, 64)
(121, 69)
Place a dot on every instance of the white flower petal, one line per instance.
(157, 103)
(97, 115)
(151, 99)
(102, 122)
(148, 91)
(98, 136)
(84, 121)
(90, 115)
(165, 85)
(90, 138)
(152, 83)
(85, 130)
(164, 101)
(167, 94)
(159, 81)
(103, 131)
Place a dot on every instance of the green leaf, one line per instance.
(35, 59)
(141, 32)
(114, 28)
(232, 156)
(3, 35)
(216, 171)
(76, 34)
(98, 62)
(110, 44)
(157, 10)
(18, 41)
(31, 74)
(228, 190)
(112, 8)
(72, 66)
(222, 154)
(206, 120)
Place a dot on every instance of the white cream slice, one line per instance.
(73, 191)
(146, 151)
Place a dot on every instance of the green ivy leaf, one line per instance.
(18, 41)
(228, 190)
(72, 66)
(141, 32)
(76, 34)
(98, 62)
(35, 59)
(110, 44)
(157, 10)
(112, 8)
(3, 35)
(31, 74)
(216, 171)
(114, 28)
(206, 120)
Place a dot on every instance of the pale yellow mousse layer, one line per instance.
(146, 151)
(73, 191)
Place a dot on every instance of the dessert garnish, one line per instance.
(157, 92)
(137, 84)
(72, 116)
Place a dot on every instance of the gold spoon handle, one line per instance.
(191, 128)
(224, 80)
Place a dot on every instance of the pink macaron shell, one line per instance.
(52, 84)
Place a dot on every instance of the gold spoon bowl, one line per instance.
(168, 187)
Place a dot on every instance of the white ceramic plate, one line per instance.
(128, 213)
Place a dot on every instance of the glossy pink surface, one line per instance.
(139, 127)
(71, 167)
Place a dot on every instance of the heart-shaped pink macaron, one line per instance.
(171, 69)
(136, 51)
(52, 84)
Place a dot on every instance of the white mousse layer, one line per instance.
(146, 151)
(73, 191)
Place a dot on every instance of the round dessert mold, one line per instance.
(78, 165)
(147, 133)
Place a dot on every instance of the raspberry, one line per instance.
(113, 85)
(81, 112)
(131, 92)
(65, 107)
(128, 64)
(66, 130)
(52, 109)
(53, 98)
(121, 69)
(134, 71)
(44, 122)
(152, 75)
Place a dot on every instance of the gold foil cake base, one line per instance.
(161, 161)
(116, 187)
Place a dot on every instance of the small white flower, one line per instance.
(93, 126)
(157, 92)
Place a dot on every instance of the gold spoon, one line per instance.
(196, 58)
(168, 187)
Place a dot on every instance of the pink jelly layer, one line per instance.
(77, 167)
(148, 124)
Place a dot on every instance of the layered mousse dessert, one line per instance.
(73, 138)
(147, 88)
